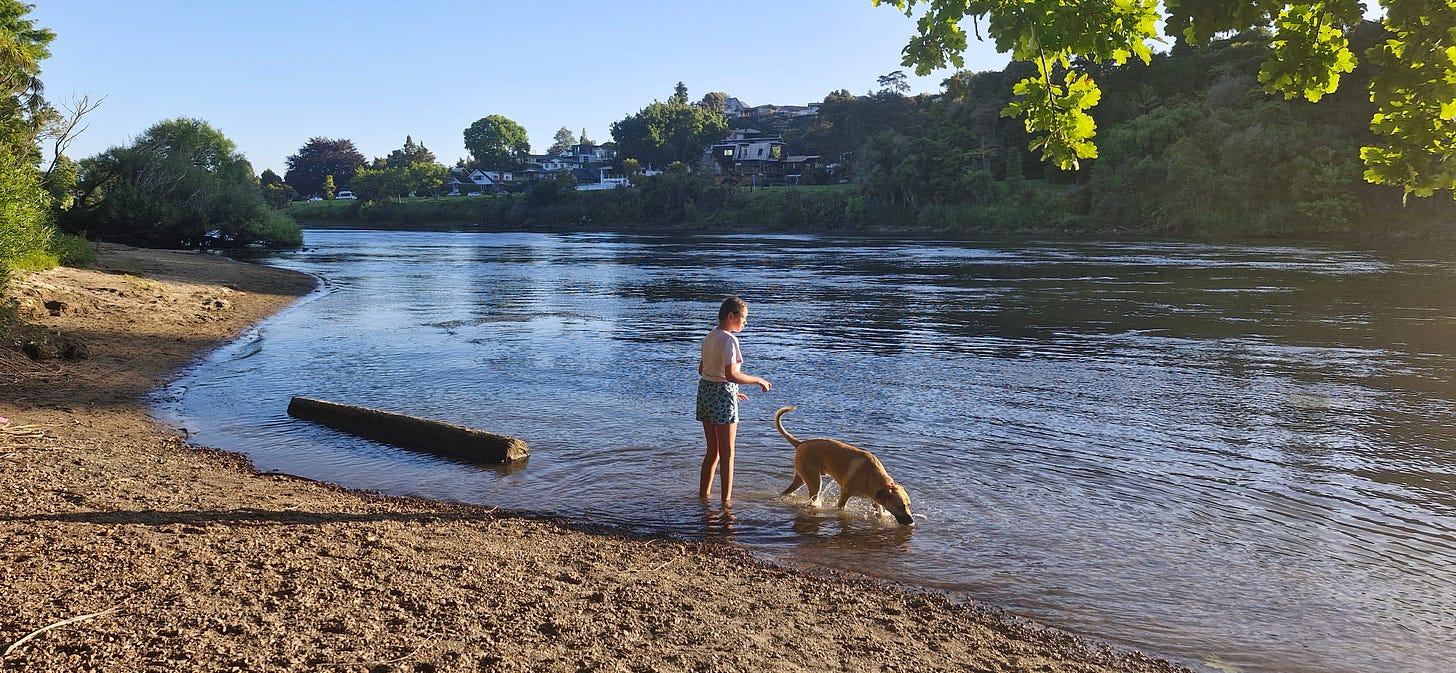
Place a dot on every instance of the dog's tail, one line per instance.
(779, 423)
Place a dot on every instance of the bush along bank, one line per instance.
(691, 205)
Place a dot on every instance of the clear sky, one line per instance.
(271, 74)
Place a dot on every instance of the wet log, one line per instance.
(411, 432)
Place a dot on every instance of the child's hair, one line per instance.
(732, 306)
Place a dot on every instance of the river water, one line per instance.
(1240, 458)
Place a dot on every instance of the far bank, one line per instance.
(1036, 209)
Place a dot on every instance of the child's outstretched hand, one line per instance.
(742, 397)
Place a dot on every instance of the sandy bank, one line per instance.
(201, 564)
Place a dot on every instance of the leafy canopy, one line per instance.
(497, 143)
(1414, 92)
(320, 160)
(182, 183)
(23, 202)
(662, 133)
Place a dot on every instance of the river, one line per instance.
(1240, 458)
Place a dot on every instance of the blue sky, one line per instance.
(270, 74)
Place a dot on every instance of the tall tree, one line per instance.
(412, 153)
(1414, 89)
(23, 110)
(714, 101)
(662, 133)
(562, 141)
(321, 157)
(680, 94)
(24, 202)
(894, 83)
(497, 143)
(181, 183)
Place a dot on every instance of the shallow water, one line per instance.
(1241, 458)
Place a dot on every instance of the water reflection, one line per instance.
(1206, 452)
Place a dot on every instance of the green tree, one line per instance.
(24, 234)
(894, 84)
(321, 157)
(562, 141)
(426, 178)
(1414, 90)
(411, 153)
(327, 189)
(278, 195)
(714, 101)
(662, 133)
(380, 183)
(23, 111)
(276, 192)
(679, 94)
(497, 143)
(182, 183)
(846, 121)
(24, 202)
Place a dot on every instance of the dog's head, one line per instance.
(894, 498)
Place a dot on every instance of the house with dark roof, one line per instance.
(472, 182)
(748, 157)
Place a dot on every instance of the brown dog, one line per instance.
(856, 470)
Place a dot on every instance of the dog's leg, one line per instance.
(815, 485)
(798, 481)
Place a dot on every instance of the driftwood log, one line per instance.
(411, 432)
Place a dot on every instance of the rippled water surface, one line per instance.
(1240, 458)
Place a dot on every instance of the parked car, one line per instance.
(315, 199)
(345, 194)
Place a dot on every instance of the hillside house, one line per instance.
(748, 157)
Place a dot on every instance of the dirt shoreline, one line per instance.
(184, 558)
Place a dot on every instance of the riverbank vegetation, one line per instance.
(1190, 147)
(181, 184)
(32, 186)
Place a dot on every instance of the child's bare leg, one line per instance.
(727, 434)
(710, 460)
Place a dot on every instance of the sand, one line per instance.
(183, 558)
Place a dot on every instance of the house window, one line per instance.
(760, 151)
(728, 152)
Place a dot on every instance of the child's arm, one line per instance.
(731, 373)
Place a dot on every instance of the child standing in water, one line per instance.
(718, 394)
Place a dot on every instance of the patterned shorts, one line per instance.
(717, 402)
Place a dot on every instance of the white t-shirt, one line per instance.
(720, 349)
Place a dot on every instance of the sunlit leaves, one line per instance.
(1415, 90)
(1415, 99)
(1310, 52)
(1050, 33)
(1056, 116)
